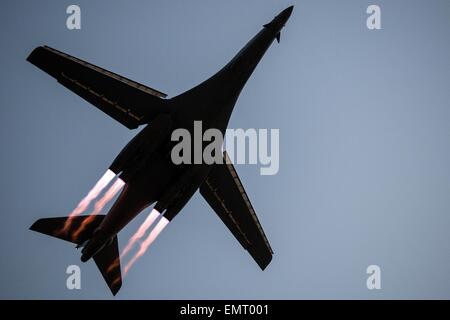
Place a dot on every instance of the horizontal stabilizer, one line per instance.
(107, 259)
(54, 227)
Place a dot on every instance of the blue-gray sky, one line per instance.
(364, 119)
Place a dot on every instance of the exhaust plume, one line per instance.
(151, 218)
(162, 223)
(99, 205)
(86, 201)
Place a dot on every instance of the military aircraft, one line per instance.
(144, 167)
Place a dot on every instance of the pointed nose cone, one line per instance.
(280, 20)
(288, 11)
(285, 14)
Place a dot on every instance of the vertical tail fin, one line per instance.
(107, 259)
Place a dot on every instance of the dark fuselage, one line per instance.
(145, 163)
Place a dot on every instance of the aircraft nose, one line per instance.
(286, 13)
(283, 16)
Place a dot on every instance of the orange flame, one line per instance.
(141, 231)
(147, 242)
(99, 205)
(116, 280)
(113, 265)
(86, 201)
(154, 214)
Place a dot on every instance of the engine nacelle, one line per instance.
(177, 195)
(141, 147)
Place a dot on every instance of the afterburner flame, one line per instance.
(113, 265)
(162, 223)
(86, 201)
(151, 218)
(154, 214)
(99, 205)
(103, 201)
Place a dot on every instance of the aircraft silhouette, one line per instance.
(144, 168)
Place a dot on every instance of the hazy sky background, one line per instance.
(364, 119)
